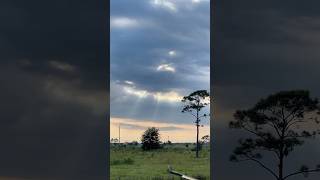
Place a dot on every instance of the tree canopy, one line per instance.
(151, 139)
(277, 124)
(193, 104)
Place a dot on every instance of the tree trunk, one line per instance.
(197, 149)
(281, 166)
(197, 123)
(281, 153)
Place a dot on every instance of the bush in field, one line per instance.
(151, 139)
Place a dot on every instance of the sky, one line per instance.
(160, 52)
(53, 89)
(261, 47)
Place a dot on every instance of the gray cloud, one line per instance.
(140, 44)
(53, 90)
(261, 48)
(139, 127)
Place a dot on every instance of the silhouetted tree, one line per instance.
(194, 103)
(114, 140)
(151, 139)
(205, 139)
(277, 125)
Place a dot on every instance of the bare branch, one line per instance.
(263, 166)
(300, 172)
(253, 132)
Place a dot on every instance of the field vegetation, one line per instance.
(130, 161)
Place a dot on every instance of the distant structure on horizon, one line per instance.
(119, 133)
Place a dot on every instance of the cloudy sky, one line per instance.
(54, 77)
(53, 89)
(262, 47)
(159, 53)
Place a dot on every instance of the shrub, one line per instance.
(151, 139)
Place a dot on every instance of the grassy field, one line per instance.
(131, 162)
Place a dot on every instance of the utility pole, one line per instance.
(119, 133)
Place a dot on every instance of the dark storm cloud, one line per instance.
(269, 40)
(67, 31)
(53, 89)
(265, 47)
(141, 38)
(261, 47)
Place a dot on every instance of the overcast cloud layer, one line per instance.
(262, 47)
(159, 53)
(53, 89)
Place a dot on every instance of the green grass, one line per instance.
(131, 162)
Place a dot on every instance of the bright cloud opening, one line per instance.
(136, 92)
(129, 82)
(195, 1)
(170, 96)
(165, 4)
(123, 22)
(199, 1)
(172, 53)
(166, 67)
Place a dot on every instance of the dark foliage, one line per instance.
(193, 105)
(205, 139)
(277, 125)
(151, 139)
